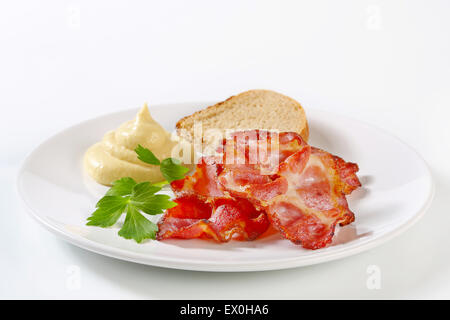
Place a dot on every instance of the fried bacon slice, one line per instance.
(305, 200)
(203, 182)
(221, 220)
(206, 211)
(315, 201)
(261, 178)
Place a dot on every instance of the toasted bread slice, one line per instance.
(254, 109)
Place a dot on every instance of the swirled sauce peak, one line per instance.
(113, 157)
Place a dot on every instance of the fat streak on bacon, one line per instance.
(263, 178)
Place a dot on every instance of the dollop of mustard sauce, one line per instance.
(114, 157)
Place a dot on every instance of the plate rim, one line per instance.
(222, 266)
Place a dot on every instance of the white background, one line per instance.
(384, 62)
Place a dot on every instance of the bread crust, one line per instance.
(304, 131)
(214, 106)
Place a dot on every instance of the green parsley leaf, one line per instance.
(144, 199)
(172, 169)
(137, 227)
(127, 196)
(155, 204)
(121, 187)
(161, 184)
(145, 155)
(143, 190)
(109, 210)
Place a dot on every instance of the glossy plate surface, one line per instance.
(397, 190)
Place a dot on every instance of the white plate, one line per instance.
(397, 190)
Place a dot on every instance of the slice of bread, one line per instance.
(254, 109)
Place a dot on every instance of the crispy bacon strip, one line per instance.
(263, 177)
(315, 201)
(206, 211)
(261, 149)
(305, 199)
(203, 183)
(221, 220)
